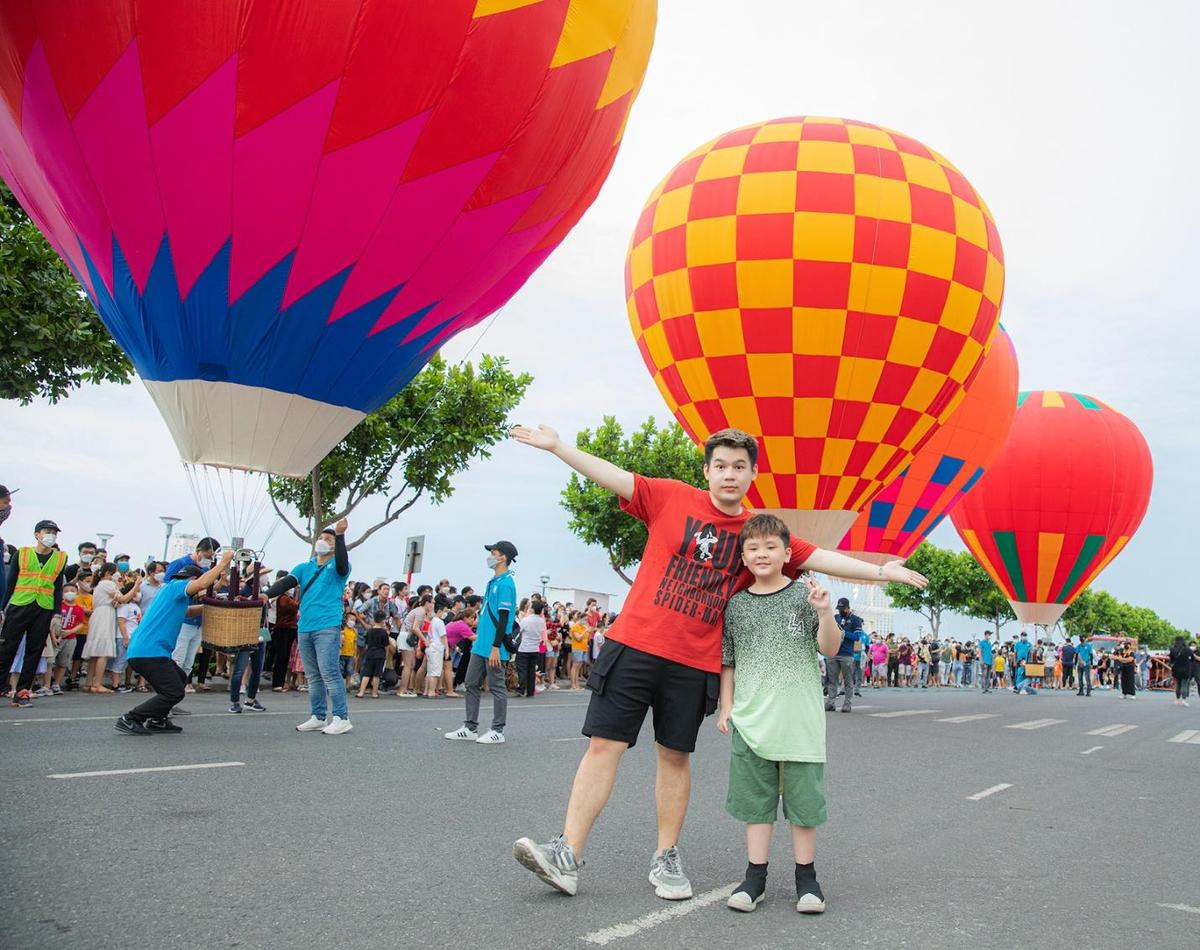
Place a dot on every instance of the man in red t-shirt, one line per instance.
(663, 653)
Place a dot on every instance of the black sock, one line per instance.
(756, 881)
(806, 880)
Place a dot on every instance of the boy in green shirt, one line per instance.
(771, 692)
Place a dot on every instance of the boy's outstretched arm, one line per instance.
(852, 569)
(603, 473)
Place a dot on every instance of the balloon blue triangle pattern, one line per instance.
(256, 341)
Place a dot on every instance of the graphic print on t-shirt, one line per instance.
(702, 573)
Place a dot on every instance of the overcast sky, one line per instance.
(1073, 120)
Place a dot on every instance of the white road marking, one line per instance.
(1116, 729)
(905, 712)
(1095, 748)
(1036, 724)
(989, 791)
(634, 927)
(570, 739)
(1186, 908)
(974, 718)
(1191, 736)
(160, 768)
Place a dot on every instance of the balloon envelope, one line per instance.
(280, 209)
(825, 284)
(1060, 502)
(901, 516)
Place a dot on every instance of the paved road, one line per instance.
(391, 834)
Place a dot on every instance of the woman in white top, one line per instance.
(529, 650)
(102, 630)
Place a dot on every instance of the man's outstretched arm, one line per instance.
(852, 569)
(608, 476)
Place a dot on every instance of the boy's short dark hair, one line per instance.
(764, 526)
(731, 439)
(379, 616)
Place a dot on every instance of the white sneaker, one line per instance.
(337, 726)
(491, 737)
(463, 733)
(311, 724)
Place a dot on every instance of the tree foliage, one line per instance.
(1098, 611)
(984, 600)
(53, 339)
(596, 516)
(410, 448)
(949, 587)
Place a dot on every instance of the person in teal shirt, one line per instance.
(488, 655)
(1083, 664)
(986, 659)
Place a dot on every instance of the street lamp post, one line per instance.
(545, 579)
(105, 537)
(170, 523)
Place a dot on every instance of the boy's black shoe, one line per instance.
(750, 893)
(809, 899)
(131, 728)
(162, 725)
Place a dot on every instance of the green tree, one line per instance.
(949, 584)
(408, 449)
(596, 516)
(53, 339)
(984, 600)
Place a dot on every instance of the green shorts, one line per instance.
(756, 785)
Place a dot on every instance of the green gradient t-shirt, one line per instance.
(771, 642)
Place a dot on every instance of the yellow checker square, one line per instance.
(766, 488)
(781, 453)
(672, 208)
(923, 171)
(876, 289)
(876, 422)
(993, 280)
(879, 458)
(695, 423)
(634, 323)
(673, 293)
(962, 306)
(857, 378)
(817, 331)
(723, 163)
(696, 379)
(931, 251)
(910, 341)
(969, 222)
(884, 198)
(822, 236)
(834, 455)
(770, 373)
(919, 430)
(764, 283)
(741, 412)
(778, 132)
(657, 346)
(806, 490)
(816, 155)
(665, 392)
(641, 263)
(970, 356)
(845, 487)
(712, 241)
(924, 390)
(866, 135)
(766, 193)
(720, 333)
(810, 417)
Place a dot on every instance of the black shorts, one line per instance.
(626, 682)
(372, 666)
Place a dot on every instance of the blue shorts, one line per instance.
(579, 656)
(346, 664)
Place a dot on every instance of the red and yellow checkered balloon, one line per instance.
(827, 285)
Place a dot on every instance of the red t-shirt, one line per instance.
(72, 616)
(689, 570)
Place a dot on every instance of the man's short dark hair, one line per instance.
(208, 544)
(379, 616)
(86, 544)
(731, 439)
(764, 526)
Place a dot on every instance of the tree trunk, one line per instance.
(318, 524)
(620, 573)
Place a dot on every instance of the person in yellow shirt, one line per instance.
(578, 633)
(349, 646)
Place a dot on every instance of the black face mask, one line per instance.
(4, 513)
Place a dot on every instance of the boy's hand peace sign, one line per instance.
(818, 596)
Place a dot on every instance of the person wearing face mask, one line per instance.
(188, 643)
(35, 586)
(489, 654)
(152, 583)
(322, 581)
(86, 554)
(73, 622)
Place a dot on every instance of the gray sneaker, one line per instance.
(554, 862)
(666, 874)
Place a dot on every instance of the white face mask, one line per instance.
(49, 539)
(160, 577)
(206, 562)
(492, 561)
(86, 558)
(322, 548)
(69, 596)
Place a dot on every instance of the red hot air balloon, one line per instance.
(1062, 500)
(901, 516)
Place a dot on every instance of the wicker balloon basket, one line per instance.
(234, 623)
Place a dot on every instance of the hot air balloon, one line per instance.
(1060, 502)
(947, 467)
(281, 209)
(827, 285)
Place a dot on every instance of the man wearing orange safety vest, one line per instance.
(35, 584)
